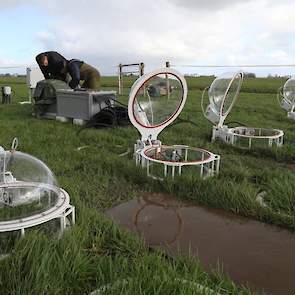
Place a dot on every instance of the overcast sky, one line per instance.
(185, 32)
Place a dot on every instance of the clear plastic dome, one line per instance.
(289, 90)
(157, 100)
(224, 91)
(27, 186)
(18, 166)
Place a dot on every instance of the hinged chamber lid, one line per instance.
(289, 90)
(156, 100)
(222, 93)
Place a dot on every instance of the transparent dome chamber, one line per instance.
(222, 95)
(29, 198)
(286, 97)
(155, 101)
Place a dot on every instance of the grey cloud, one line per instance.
(106, 55)
(112, 32)
(207, 4)
(12, 3)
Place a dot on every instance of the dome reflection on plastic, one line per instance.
(29, 197)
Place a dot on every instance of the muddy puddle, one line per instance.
(249, 251)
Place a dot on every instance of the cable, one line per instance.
(94, 125)
(120, 103)
(233, 66)
(109, 117)
(180, 121)
(108, 112)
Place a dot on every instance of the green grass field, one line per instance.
(95, 252)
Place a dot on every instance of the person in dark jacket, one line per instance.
(79, 70)
(52, 64)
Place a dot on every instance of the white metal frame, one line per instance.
(149, 134)
(177, 167)
(232, 135)
(60, 210)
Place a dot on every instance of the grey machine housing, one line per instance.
(83, 105)
(53, 99)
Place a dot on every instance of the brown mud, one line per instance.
(250, 252)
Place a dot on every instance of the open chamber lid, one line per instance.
(288, 90)
(222, 93)
(155, 101)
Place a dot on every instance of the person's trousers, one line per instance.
(91, 77)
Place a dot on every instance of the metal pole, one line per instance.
(148, 168)
(202, 166)
(250, 142)
(141, 69)
(62, 224)
(3, 95)
(212, 168)
(120, 86)
(173, 171)
(73, 215)
(30, 97)
(30, 94)
(141, 73)
(179, 171)
(167, 80)
(217, 164)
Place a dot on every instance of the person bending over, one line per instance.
(52, 65)
(79, 70)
